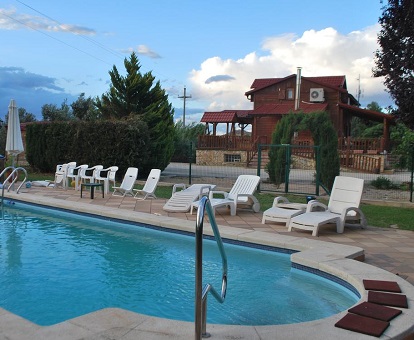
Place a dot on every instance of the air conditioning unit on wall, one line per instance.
(316, 95)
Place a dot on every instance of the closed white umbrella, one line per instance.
(14, 142)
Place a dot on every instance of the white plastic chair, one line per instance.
(343, 207)
(127, 184)
(150, 185)
(106, 176)
(76, 174)
(88, 174)
(61, 175)
(240, 194)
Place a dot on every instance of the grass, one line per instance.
(377, 215)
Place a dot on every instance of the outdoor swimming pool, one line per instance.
(57, 265)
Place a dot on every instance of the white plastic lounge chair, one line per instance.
(106, 176)
(343, 207)
(75, 175)
(180, 201)
(127, 183)
(150, 185)
(89, 174)
(282, 211)
(241, 194)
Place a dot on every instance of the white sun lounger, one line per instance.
(241, 194)
(180, 201)
(343, 208)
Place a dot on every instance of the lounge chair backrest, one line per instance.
(152, 181)
(129, 179)
(346, 193)
(245, 184)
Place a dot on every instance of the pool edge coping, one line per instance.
(332, 258)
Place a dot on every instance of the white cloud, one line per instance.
(11, 20)
(145, 50)
(319, 53)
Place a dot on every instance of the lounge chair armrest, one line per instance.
(256, 204)
(359, 213)
(204, 191)
(212, 193)
(280, 199)
(314, 205)
(181, 186)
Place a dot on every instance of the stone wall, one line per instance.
(302, 163)
(217, 157)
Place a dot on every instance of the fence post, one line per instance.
(190, 158)
(412, 173)
(287, 167)
(259, 162)
(318, 168)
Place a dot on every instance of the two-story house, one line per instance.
(273, 98)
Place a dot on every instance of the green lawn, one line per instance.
(377, 215)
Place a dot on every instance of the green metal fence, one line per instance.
(298, 171)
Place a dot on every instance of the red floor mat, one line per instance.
(375, 311)
(388, 299)
(386, 286)
(362, 324)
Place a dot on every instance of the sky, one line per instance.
(52, 51)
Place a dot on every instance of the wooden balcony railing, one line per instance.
(361, 145)
(224, 142)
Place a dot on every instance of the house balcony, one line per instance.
(224, 142)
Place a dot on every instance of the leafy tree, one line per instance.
(136, 96)
(184, 136)
(24, 116)
(365, 128)
(403, 140)
(395, 59)
(84, 108)
(51, 112)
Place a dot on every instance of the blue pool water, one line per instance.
(56, 265)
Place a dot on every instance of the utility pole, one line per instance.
(184, 97)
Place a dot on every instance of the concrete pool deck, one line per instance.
(385, 251)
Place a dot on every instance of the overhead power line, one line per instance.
(68, 29)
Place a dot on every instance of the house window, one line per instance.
(232, 158)
(289, 93)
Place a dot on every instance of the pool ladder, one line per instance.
(13, 178)
(201, 292)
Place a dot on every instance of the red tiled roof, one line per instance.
(336, 82)
(287, 108)
(226, 116)
(331, 81)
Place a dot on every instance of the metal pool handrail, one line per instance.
(13, 176)
(201, 293)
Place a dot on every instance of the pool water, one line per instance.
(56, 265)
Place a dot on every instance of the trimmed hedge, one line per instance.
(124, 143)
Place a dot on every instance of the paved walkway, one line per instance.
(389, 249)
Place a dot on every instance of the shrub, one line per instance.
(384, 183)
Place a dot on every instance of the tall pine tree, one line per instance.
(138, 96)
